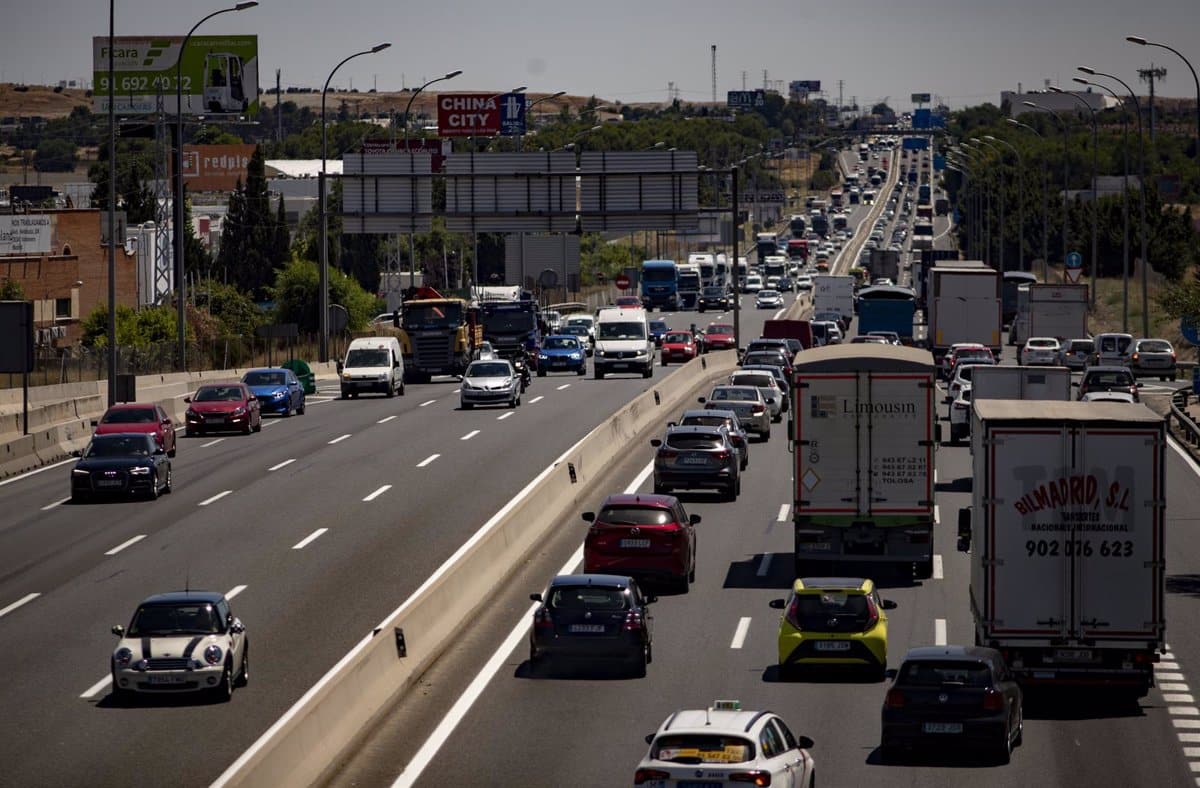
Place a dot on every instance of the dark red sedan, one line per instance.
(144, 417)
(648, 537)
(223, 406)
(678, 346)
(719, 336)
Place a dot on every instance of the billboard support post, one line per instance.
(112, 228)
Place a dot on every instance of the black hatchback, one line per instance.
(592, 617)
(953, 697)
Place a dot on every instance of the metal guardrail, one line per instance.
(1187, 427)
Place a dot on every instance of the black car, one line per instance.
(719, 418)
(585, 617)
(773, 357)
(697, 457)
(953, 697)
(713, 297)
(121, 464)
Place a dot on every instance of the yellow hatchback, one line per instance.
(832, 621)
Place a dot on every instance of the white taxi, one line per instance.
(725, 745)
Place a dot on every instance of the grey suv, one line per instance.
(697, 458)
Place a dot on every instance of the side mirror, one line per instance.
(694, 519)
(187, 398)
(536, 597)
(118, 630)
(889, 604)
(650, 600)
(649, 738)
(77, 453)
(1075, 383)
(791, 430)
(701, 400)
(805, 742)
(656, 443)
(95, 422)
(1139, 385)
(588, 517)
(672, 424)
(778, 604)
(395, 318)
(937, 432)
(237, 627)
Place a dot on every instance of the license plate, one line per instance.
(635, 543)
(168, 679)
(620, 365)
(110, 483)
(587, 628)
(217, 419)
(832, 645)
(693, 460)
(815, 546)
(941, 727)
(1073, 654)
(698, 784)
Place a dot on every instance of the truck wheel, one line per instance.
(664, 361)
(541, 373)
(649, 370)
(598, 373)
(923, 570)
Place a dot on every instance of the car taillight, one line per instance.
(792, 615)
(872, 615)
(894, 699)
(722, 455)
(993, 700)
(1172, 355)
(642, 776)
(667, 454)
(756, 777)
(542, 621)
(1135, 356)
(633, 622)
(759, 410)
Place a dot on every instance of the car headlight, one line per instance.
(543, 357)
(122, 656)
(381, 376)
(213, 654)
(509, 381)
(141, 664)
(239, 412)
(140, 470)
(345, 376)
(466, 386)
(600, 353)
(191, 414)
(576, 356)
(279, 394)
(78, 472)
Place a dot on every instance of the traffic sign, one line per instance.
(1190, 330)
(1074, 260)
(622, 282)
(1073, 275)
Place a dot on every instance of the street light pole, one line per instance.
(987, 219)
(1045, 206)
(323, 211)
(112, 217)
(1137, 107)
(180, 305)
(528, 108)
(1020, 199)
(1188, 63)
(1062, 124)
(1000, 153)
(1095, 197)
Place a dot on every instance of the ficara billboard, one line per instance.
(219, 74)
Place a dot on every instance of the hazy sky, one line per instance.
(965, 51)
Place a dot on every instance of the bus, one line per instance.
(835, 198)
(797, 225)
(820, 224)
(1008, 292)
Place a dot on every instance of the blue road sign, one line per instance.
(1074, 260)
(512, 114)
(1190, 330)
(746, 99)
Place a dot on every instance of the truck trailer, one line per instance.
(963, 305)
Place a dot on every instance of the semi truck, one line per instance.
(1066, 538)
(687, 284)
(438, 336)
(1012, 281)
(865, 431)
(512, 327)
(660, 286)
(963, 305)
(887, 308)
(1006, 381)
(885, 263)
(1059, 311)
(833, 293)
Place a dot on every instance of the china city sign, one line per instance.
(480, 114)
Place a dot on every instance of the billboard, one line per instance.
(437, 150)
(921, 98)
(480, 114)
(745, 99)
(27, 233)
(215, 168)
(805, 86)
(219, 74)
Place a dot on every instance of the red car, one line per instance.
(647, 537)
(678, 346)
(961, 351)
(719, 336)
(223, 406)
(629, 302)
(139, 417)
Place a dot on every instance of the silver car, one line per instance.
(490, 383)
(765, 383)
(1075, 353)
(747, 402)
(1153, 357)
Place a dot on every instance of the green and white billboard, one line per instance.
(219, 74)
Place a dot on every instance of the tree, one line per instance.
(55, 155)
(296, 296)
(235, 312)
(11, 290)
(134, 171)
(250, 236)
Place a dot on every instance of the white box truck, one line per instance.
(1058, 311)
(832, 293)
(1007, 381)
(964, 306)
(1065, 533)
(864, 431)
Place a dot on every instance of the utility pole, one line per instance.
(743, 80)
(841, 84)
(1150, 75)
(764, 79)
(278, 108)
(714, 72)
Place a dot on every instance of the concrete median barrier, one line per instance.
(310, 736)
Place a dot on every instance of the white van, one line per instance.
(372, 364)
(1112, 350)
(623, 343)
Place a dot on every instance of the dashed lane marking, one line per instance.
(428, 460)
(939, 632)
(215, 498)
(22, 601)
(385, 419)
(126, 543)
(339, 439)
(283, 464)
(536, 400)
(504, 416)
(783, 513)
(764, 565)
(377, 493)
(739, 634)
(50, 506)
(211, 443)
(306, 541)
(938, 569)
(427, 402)
(563, 386)
(469, 435)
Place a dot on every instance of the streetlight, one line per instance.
(1095, 174)
(974, 201)
(323, 306)
(1137, 107)
(1020, 198)
(987, 217)
(1124, 198)
(953, 165)
(1045, 205)
(1145, 43)
(181, 312)
(529, 107)
(417, 92)
(1003, 197)
(1062, 124)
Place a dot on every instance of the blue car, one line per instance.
(277, 390)
(561, 353)
(658, 330)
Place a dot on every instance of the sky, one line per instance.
(964, 51)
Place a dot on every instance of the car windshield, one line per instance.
(830, 611)
(1043, 343)
(586, 322)
(491, 369)
(693, 442)
(658, 274)
(265, 378)
(630, 330)
(368, 357)
(419, 316)
(508, 322)
(714, 291)
(740, 394)
(658, 325)
(1114, 378)
(946, 673)
(634, 515)
(186, 619)
(763, 357)
(762, 380)
(218, 394)
(1082, 345)
(719, 330)
(118, 446)
(1154, 346)
(705, 421)
(588, 598)
(130, 416)
(560, 343)
(678, 336)
(702, 748)
(576, 329)
(767, 293)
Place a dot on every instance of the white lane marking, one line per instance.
(1182, 452)
(456, 391)
(271, 423)
(536, 399)
(386, 419)
(1192, 752)
(50, 506)
(779, 313)
(1189, 738)
(1167, 664)
(215, 498)
(504, 416)
(938, 569)
(469, 435)
(939, 632)
(126, 543)
(739, 634)
(937, 514)
(563, 386)
(231, 593)
(425, 755)
(427, 402)
(1178, 697)
(783, 513)
(428, 460)
(27, 474)
(1184, 711)
(22, 601)
(96, 688)
(306, 541)
(283, 464)
(377, 493)
(764, 565)
(211, 443)
(1170, 676)
(935, 475)
(1180, 722)
(339, 439)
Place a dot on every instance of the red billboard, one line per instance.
(468, 115)
(215, 168)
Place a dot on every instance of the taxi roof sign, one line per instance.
(727, 705)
